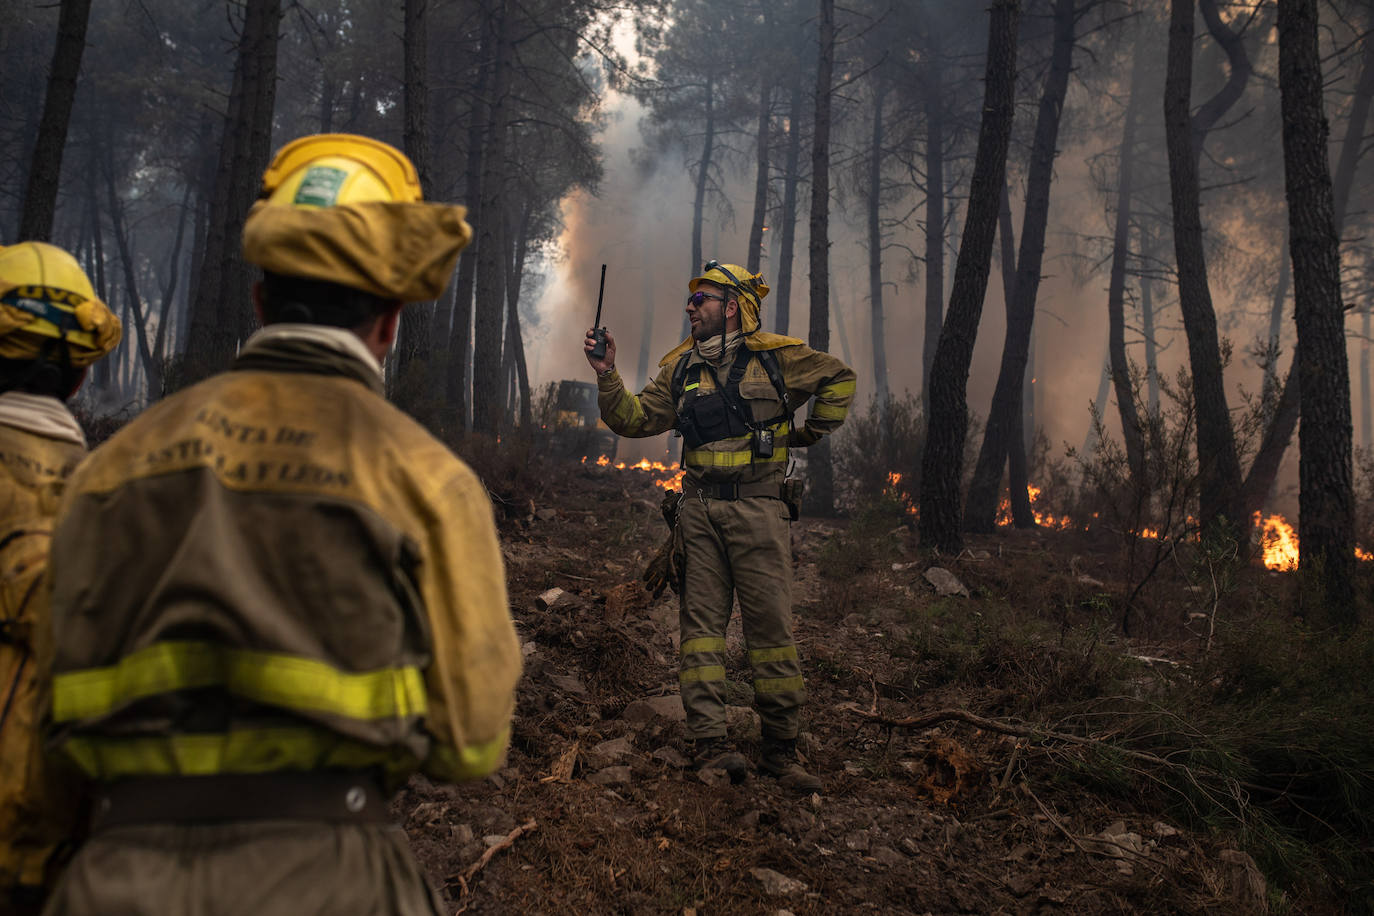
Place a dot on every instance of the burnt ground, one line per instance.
(597, 812)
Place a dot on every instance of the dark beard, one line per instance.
(704, 331)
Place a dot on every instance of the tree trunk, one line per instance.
(1259, 482)
(1366, 421)
(1147, 330)
(45, 172)
(935, 213)
(417, 323)
(756, 225)
(789, 208)
(1017, 472)
(151, 367)
(699, 198)
(875, 248)
(169, 288)
(947, 423)
(1132, 432)
(222, 314)
(1325, 491)
(515, 341)
(1098, 405)
(490, 294)
(1218, 466)
(460, 327)
(1271, 371)
(1002, 432)
(820, 484)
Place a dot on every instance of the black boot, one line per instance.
(780, 760)
(718, 754)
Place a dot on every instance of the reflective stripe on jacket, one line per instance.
(279, 570)
(806, 372)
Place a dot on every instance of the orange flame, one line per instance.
(1043, 519)
(1278, 542)
(672, 482)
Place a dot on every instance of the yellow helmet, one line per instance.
(324, 170)
(44, 293)
(345, 209)
(751, 287)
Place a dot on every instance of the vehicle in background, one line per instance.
(578, 431)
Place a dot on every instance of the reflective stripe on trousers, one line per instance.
(738, 547)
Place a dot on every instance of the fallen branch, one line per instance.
(481, 863)
(1005, 728)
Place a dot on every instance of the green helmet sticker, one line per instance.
(320, 187)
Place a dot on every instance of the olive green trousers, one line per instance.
(738, 547)
(245, 868)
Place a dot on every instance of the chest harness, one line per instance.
(723, 414)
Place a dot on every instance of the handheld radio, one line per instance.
(598, 332)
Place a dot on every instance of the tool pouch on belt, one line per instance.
(792, 495)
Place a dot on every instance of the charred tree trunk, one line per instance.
(515, 340)
(756, 225)
(1271, 371)
(490, 294)
(169, 288)
(935, 213)
(791, 178)
(1017, 473)
(875, 248)
(1218, 465)
(45, 170)
(699, 197)
(1132, 432)
(460, 328)
(1002, 432)
(947, 423)
(417, 324)
(819, 472)
(221, 314)
(151, 367)
(1147, 330)
(1325, 491)
(1264, 470)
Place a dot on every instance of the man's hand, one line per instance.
(665, 568)
(600, 365)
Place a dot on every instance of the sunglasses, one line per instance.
(698, 299)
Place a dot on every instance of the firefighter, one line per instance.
(52, 327)
(275, 596)
(731, 389)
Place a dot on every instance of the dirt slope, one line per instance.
(596, 812)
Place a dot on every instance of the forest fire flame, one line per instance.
(1278, 542)
(1278, 539)
(671, 482)
(1043, 519)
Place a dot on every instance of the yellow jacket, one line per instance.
(40, 444)
(806, 373)
(278, 570)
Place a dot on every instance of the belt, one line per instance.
(733, 490)
(352, 796)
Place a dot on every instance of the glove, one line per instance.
(664, 569)
(668, 567)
